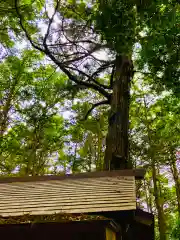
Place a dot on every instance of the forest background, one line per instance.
(74, 72)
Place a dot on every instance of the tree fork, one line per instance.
(117, 143)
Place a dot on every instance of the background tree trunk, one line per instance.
(117, 144)
(176, 178)
(159, 205)
(5, 112)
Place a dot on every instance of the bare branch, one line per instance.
(105, 102)
(61, 65)
(24, 29)
(97, 47)
(89, 78)
(76, 80)
(49, 25)
(102, 68)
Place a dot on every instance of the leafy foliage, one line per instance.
(176, 231)
(56, 82)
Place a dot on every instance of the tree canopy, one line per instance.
(93, 85)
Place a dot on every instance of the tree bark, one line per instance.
(159, 206)
(4, 115)
(157, 188)
(150, 202)
(117, 144)
(176, 178)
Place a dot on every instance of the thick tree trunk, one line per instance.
(117, 144)
(176, 177)
(159, 206)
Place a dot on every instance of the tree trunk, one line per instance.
(159, 206)
(147, 197)
(5, 112)
(4, 115)
(176, 178)
(150, 202)
(117, 144)
(157, 193)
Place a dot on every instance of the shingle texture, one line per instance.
(81, 195)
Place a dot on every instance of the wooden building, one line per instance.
(77, 230)
(99, 205)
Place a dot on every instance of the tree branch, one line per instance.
(49, 24)
(101, 68)
(76, 80)
(57, 62)
(94, 106)
(24, 29)
(89, 77)
(88, 53)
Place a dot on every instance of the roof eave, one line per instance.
(137, 173)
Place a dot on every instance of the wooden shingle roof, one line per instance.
(82, 193)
